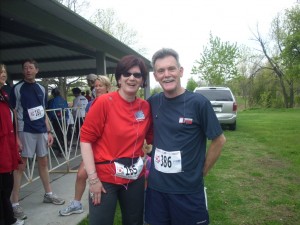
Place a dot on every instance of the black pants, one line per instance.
(131, 199)
(57, 126)
(78, 125)
(6, 210)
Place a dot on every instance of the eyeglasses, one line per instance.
(136, 75)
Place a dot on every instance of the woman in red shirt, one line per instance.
(9, 156)
(111, 141)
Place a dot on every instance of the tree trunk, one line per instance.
(284, 93)
(292, 94)
(276, 70)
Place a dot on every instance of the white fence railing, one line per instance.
(66, 146)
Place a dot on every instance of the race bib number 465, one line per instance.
(167, 162)
(36, 113)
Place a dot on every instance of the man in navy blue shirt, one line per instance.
(182, 123)
(28, 98)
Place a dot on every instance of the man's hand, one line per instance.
(50, 139)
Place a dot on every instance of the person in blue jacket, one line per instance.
(58, 116)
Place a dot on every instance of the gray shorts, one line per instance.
(34, 143)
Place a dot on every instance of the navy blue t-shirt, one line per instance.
(184, 124)
(25, 96)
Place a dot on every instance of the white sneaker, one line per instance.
(53, 199)
(72, 208)
(19, 213)
(19, 222)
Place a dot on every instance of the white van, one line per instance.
(223, 103)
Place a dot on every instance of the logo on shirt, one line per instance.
(185, 120)
(139, 115)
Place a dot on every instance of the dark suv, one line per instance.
(223, 103)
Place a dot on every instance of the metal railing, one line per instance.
(66, 148)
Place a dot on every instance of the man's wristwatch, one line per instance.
(49, 132)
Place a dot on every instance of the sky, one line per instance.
(185, 25)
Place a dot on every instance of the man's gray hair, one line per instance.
(164, 52)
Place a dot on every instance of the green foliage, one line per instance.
(191, 84)
(155, 90)
(265, 99)
(291, 40)
(218, 62)
(140, 93)
(297, 100)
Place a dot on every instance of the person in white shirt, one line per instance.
(79, 104)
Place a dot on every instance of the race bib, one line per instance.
(129, 172)
(167, 162)
(36, 113)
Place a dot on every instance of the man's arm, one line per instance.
(17, 130)
(213, 153)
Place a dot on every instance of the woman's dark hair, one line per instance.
(126, 63)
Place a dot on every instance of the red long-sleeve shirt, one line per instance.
(9, 154)
(116, 129)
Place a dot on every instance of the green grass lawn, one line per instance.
(257, 178)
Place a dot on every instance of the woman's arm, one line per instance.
(96, 186)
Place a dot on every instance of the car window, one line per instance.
(216, 95)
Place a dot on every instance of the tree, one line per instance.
(282, 52)
(191, 84)
(108, 21)
(218, 62)
(291, 52)
(77, 6)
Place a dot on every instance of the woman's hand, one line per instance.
(20, 146)
(96, 189)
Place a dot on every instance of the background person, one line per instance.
(58, 106)
(111, 141)
(90, 81)
(102, 86)
(9, 154)
(79, 105)
(28, 99)
(182, 123)
(88, 96)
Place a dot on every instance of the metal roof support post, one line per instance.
(100, 63)
(147, 89)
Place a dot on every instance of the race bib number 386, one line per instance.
(167, 162)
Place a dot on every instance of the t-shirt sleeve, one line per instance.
(212, 127)
(94, 122)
